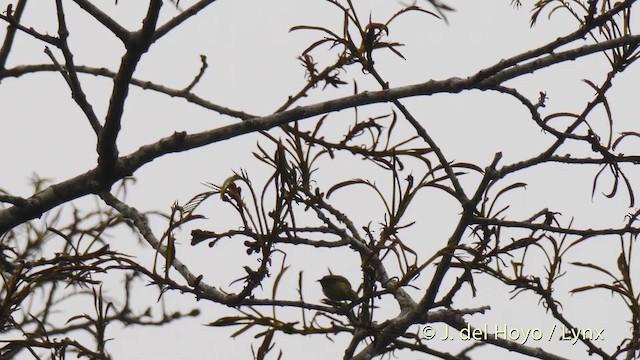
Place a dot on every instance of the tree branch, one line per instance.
(76, 187)
(104, 19)
(138, 43)
(142, 225)
(71, 76)
(11, 34)
(182, 17)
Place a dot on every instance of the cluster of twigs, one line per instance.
(36, 285)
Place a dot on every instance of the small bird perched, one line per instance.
(337, 288)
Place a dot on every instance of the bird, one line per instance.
(337, 288)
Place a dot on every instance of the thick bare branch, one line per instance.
(11, 34)
(85, 183)
(137, 44)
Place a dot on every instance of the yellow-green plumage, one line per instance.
(337, 288)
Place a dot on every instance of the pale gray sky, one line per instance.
(253, 68)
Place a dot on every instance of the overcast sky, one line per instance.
(253, 67)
